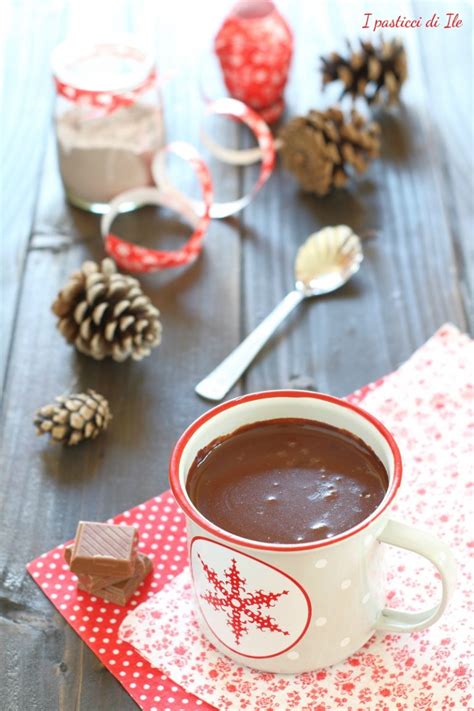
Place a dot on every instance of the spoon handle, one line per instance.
(218, 383)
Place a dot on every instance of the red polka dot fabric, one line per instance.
(163, 538)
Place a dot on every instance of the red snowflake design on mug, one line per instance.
(230, 596)
(251, 606)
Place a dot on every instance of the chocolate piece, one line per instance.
(104, 549)
(94, 583)
(120, 593)
(287, 481)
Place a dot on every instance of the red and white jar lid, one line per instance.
(104, 74)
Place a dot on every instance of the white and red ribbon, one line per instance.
(134, 258)
(237, 110)
(108, 101)
(81, 88)
(198, 213)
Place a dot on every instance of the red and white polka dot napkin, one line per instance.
(428, 405)
(162, 538)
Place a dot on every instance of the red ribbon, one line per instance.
(134, 258)
(108, 100)
(141, 259)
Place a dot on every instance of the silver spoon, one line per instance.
(325, 262)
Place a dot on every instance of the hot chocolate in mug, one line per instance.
(290, 608)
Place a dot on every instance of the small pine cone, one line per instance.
(320, 148)
(74, 418)
(106, 314)
(376, 72)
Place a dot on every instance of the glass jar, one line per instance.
(109, 119)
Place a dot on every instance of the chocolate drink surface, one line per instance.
(287, 481)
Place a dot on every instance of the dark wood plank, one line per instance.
(30, 34)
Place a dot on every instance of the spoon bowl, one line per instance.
(327, 260)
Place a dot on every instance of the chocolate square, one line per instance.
(120, 593)
(93, 583)
(104, 549)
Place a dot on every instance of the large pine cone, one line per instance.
(104, 313)
(375, 72)
(74, 418)
(320, 148)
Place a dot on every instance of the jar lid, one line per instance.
(110, 65)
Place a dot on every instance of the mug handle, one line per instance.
(425, 544)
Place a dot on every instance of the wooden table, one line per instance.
(415, 201)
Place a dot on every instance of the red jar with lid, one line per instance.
(254, 46)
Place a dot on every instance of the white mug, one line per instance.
(290, 608)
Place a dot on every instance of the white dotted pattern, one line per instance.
(98, 622)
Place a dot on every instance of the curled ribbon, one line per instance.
(134, 258)
(198, 213)
(238, 110)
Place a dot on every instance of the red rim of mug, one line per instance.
(198, 518)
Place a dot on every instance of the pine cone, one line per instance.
(375, 72)
(320, 147)
(74, 418)
(104, 313)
